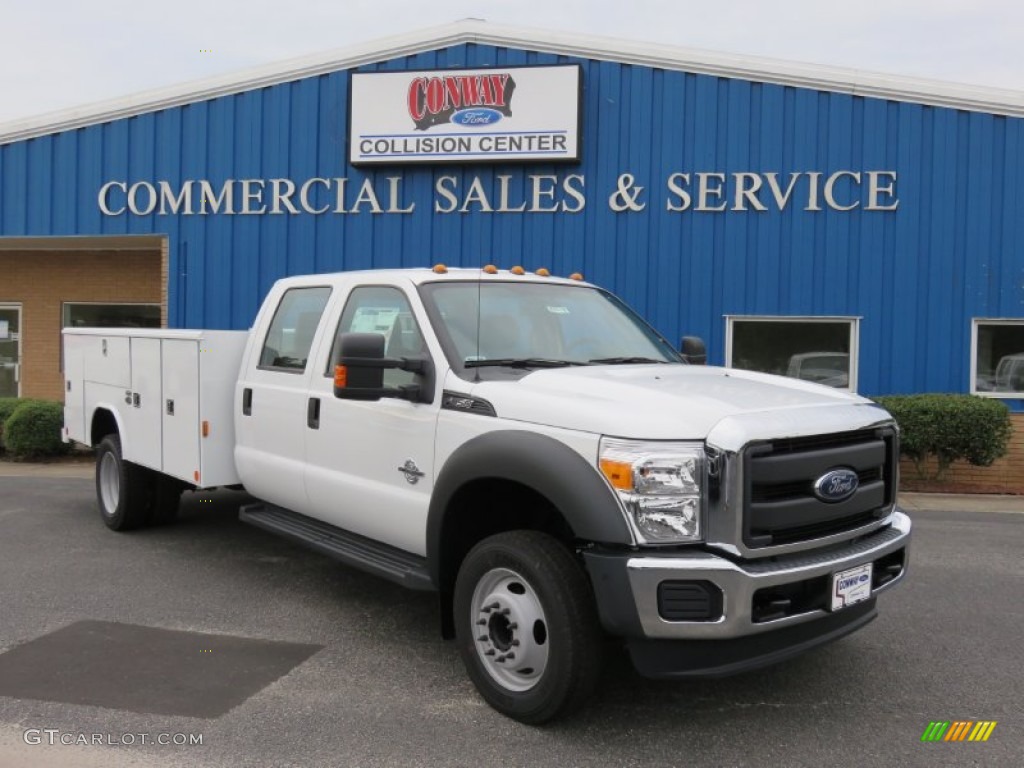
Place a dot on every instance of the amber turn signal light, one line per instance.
(619, 474)
(340, 376)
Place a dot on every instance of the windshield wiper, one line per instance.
(624, 360)
(521, 362)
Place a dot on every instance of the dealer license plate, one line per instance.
(852, 586)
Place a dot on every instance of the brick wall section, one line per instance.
(41, 280)
(1006, 475)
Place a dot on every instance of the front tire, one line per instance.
(527, 627)
(121, 487)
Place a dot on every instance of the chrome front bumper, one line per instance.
(738, 582)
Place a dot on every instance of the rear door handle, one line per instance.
(313, 413)
(247, 401)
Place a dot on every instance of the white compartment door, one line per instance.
(74, 390)
(181, 408)
(142, 442)
(108, 361)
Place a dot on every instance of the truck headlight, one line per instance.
(661, 486)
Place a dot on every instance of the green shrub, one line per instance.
(950, 428)
(7, 406)
(33, 430)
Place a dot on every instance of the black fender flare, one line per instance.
(549, 467)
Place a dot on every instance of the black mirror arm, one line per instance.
(411, 364)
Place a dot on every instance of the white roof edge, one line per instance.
(801, 75)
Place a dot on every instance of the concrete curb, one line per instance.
(960, 502)
(55, 469)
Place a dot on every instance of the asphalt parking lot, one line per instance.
(113, 634)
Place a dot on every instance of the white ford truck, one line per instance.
(529, 449)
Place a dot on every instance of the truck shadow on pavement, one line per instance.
(374, 619)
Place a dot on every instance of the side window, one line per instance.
(291, 333)
(383, 310)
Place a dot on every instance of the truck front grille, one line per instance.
(779, 476)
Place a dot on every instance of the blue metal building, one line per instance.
(871, 217)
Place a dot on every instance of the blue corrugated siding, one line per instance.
(954, 250)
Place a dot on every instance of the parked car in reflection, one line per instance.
(831, 369)
(1009, 376)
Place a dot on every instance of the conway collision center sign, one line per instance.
(504, 115)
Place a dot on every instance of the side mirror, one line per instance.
(694, 351)
(359, 371)
(358, 374)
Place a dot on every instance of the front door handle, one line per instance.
(247, 401)
(313, 413)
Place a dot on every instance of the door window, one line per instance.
(290, 338)
(383, 310)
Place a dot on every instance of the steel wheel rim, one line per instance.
(110, 484)
(510, 630)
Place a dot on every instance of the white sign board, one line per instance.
(509, 114)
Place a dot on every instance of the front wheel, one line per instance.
(121, 487)
(527, 627)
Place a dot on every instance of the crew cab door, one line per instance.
(270, 429)
(370, 464)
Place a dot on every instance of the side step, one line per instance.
(392, 563)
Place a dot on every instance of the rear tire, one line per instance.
(527, 627)
(121, 487)
(165, 498)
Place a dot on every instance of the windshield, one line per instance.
(532, 325)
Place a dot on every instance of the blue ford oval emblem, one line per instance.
(836, 485)
(476, 117)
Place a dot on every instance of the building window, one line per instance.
(97, 315)
(823, 350)
(83, 315)
(291, 333)
(997, 362)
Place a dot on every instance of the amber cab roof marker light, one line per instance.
(440, 269)
(544, 272)
(517, 270)
(490, 269)
(576, 276)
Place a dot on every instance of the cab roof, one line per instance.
(421, 275)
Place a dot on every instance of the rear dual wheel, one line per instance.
(526, 625)
(131, 496)
(121, 487)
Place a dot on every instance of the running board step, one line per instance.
(391, 563)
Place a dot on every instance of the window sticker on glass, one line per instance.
(558, 310)
(374, 320)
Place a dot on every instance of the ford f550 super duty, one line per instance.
(528, 448)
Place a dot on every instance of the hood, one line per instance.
(658, 402)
